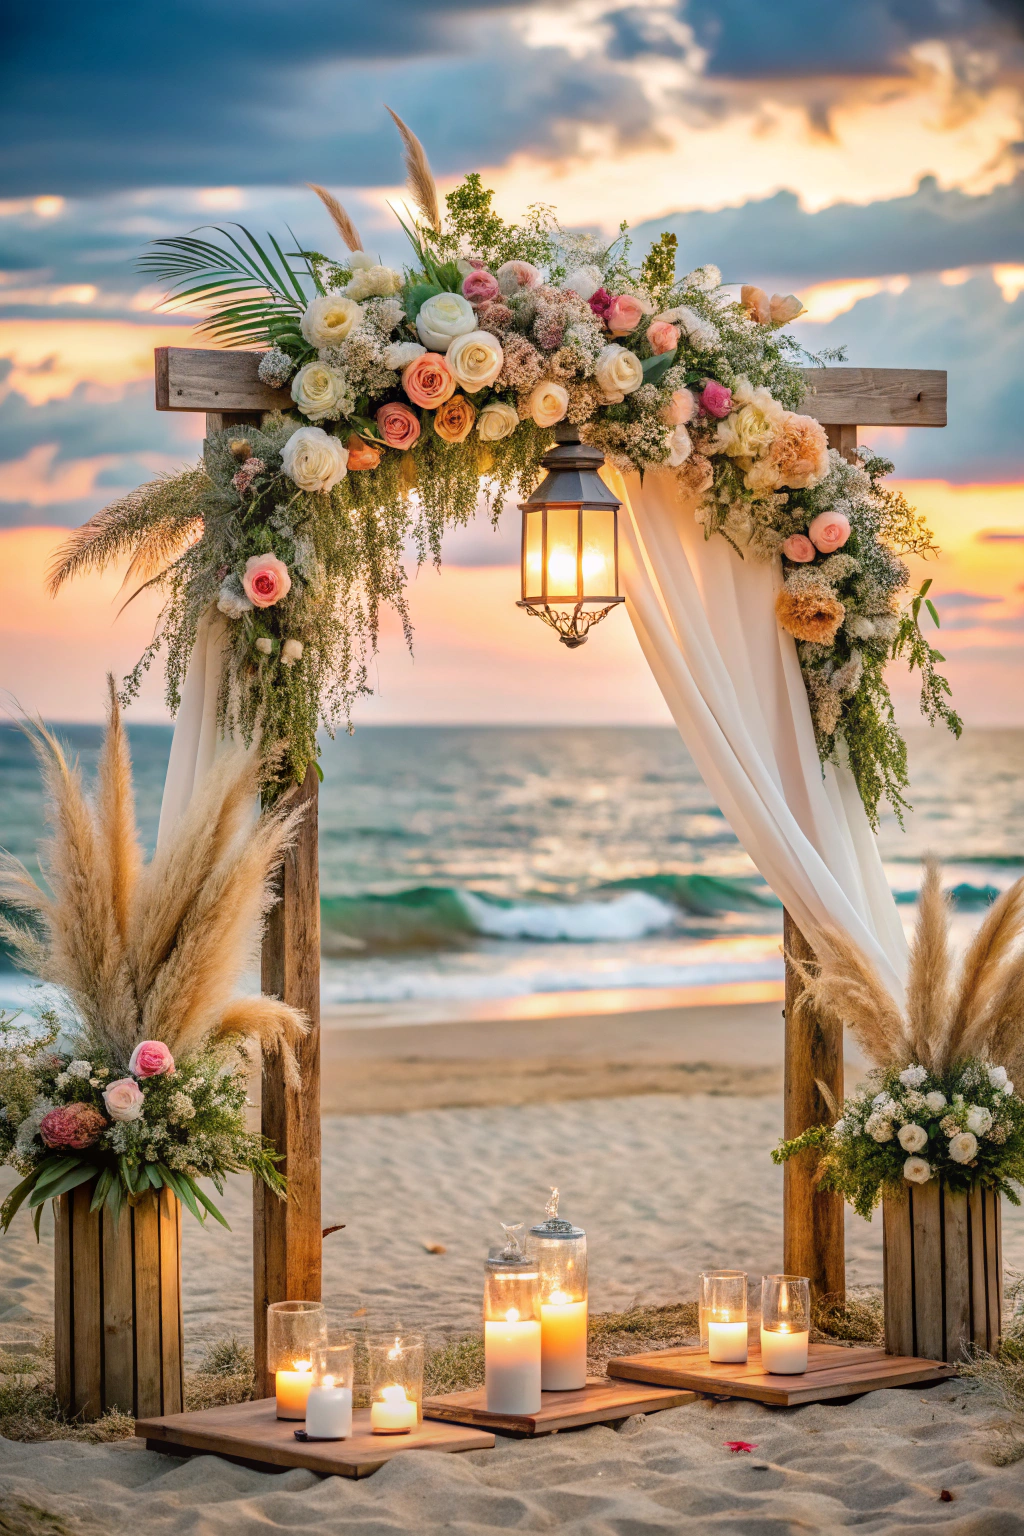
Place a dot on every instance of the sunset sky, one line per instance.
(867, 154)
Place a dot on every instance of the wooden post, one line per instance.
(812, 1223)
(287, 1233)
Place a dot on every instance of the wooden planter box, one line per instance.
(943, 1268)
(117, 1306)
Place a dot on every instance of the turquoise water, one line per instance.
(479, 863)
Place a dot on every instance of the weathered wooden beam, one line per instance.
(287, 1242)
(204, 379)
(812, 1222)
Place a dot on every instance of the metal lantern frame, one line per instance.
(572, 481)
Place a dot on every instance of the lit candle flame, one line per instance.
(512, 1315)
(328, 1381)
(558, 1299)
(394, 1396)
(302, 1365)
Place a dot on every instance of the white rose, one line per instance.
(997, 1076)
(913, 1137)
(750, 430)
(583, 280)
(314, 460)
(878, 1127)
(291, 652)
(618, 372)
(935, 1101)
(475, 359)
(443, 317)
(917, 1169)
(319, 391)
(963, 1148)
(913, 1077)
(496, 420)
(548, 402)
(329, 319)
(679, 447)
(373, 282)
(360, 260)
(979, 1119)
(400, 353)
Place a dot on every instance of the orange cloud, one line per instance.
(52, 357)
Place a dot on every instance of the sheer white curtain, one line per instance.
(196, 739)
(706, 622)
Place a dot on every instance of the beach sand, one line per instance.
(666, 1183)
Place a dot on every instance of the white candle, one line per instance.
(394, 1414)
(783, 1352)
(512, 1350)
(329, 1411)
(727, 1343)
(292, 1390)
(563, 1344)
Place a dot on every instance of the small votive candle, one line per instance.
(723, 1310)
(292, 1389)
(560, 1251)
(512, 1331)
(295, 1331)
(396, 1382)
(785, 1324)
(329, 1405)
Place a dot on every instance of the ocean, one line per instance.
(463, 867)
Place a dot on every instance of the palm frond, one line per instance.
(419, 177)
(340, 218)
(248, 291)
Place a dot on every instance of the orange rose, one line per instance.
(454, 420)
(362, 455)
(428, 380)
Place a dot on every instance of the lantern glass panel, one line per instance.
(562, 550)
(599, 573)
(533, 557)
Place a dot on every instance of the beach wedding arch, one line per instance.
(420, 393)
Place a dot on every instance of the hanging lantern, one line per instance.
(570, 561)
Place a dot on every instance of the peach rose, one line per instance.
(428, 380)
(123, 1099)
(829, 531)
(362, 455)
(798, 548)
(399, 427)
(265, 580)
(755, 302)
(662, 336)
(679, 409)
(150, 1058)
(454, 420)
(784, 307)
(624, 314)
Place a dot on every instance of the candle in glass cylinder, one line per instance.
(512, 1330)
(292, 1389)
(395, 1362)
(560, 1252)
(329, 1405)
(785, 1324)
(392, 1413)
(723, 1312)
(295, 1330)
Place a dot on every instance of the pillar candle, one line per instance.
(394, 1414)
(784, 1353)
(727, 1343)
(292, 1390)
(563, 1335)
(512, 1354)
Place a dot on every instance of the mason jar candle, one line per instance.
(512, 1329)
(329, 1404)
(785, 1324)
(723, 1314)
(295, 1331)
(395, 1363)
(560, 1252)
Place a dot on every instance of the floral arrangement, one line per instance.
(935, 1105)
(136, 1080)
(418, 392)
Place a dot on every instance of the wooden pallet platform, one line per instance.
(832, 1371)
(601, 1401)
(251, 1433)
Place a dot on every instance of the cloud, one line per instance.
(1000, 536)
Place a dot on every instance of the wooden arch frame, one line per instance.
(287, 1235)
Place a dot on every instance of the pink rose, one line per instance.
(515, 275)
(799, 548)
(755, 302)
(663, 336)
(624, 314)
(829, 531)
(265, 580)
(716, 399)
(784, 307)
(600, 302)
(75, 1126)
(480, 287)
(399, 426)
(123, 1099)
(679, 410)
(150, 1058)
(428, 380)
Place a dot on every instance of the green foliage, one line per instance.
(658, 269)
(475, 227)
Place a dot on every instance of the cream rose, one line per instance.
(373, 282)
(963, 1148)
(291, 652)
(443, 317)
(548, 402)
(917, 1170)
(618, 372)
(329, 319)
(751, 429)
(123, 1099)
(314, 460)
(496, 420)
(475, 359)
(319, 391)
(979, 1119)
(913, 1137)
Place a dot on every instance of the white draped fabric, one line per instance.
(706, 623)
(196, 739)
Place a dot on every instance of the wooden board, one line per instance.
(253, 1434)
(602, 1401)
(208, 379)
(832, 1371)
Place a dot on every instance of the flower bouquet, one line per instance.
(420, 392)
(138, 1082)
